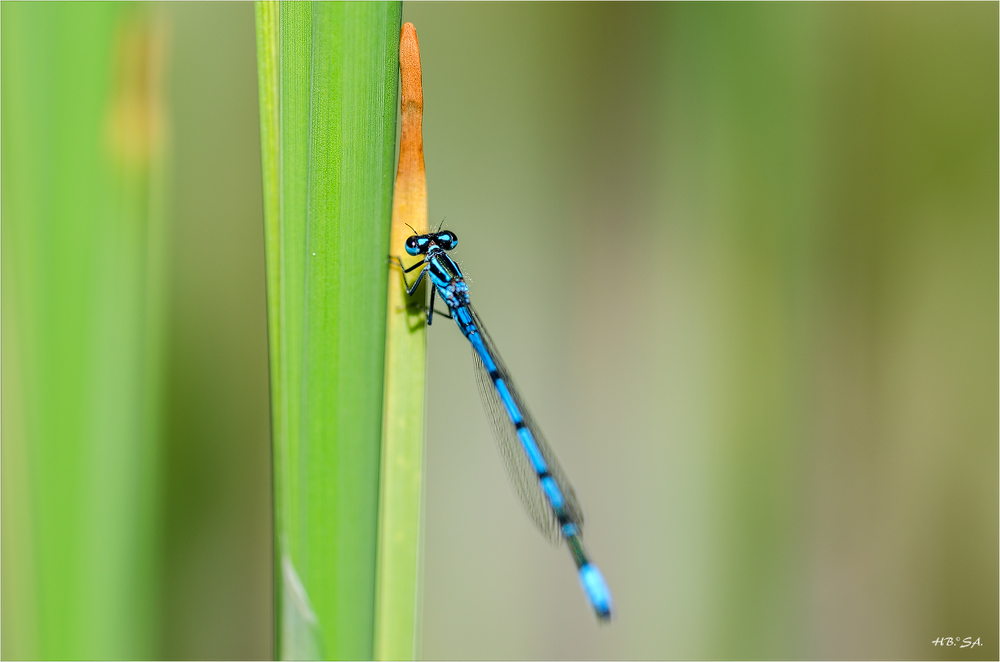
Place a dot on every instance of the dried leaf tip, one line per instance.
(409, 68)
(410, 196)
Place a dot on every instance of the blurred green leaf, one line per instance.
(82, 312)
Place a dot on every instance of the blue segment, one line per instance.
(477, 344)
(553, 492)
(569, 529)
(531, 448)
(464, 316)
(596, 589)
(515, 413)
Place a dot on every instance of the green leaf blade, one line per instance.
(328, 238)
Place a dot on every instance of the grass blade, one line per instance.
(327, 75)
(397, 611)
(83, 303)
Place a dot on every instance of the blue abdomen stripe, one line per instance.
(531, 448)
(477, 344)
(553, 492)
(508, 401)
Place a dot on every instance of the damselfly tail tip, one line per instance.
(596, 590)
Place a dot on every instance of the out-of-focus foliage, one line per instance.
(217, 466)
(83, 304)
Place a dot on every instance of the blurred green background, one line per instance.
(743, 260)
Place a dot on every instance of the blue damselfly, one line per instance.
(531, 465)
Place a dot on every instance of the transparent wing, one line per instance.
(519, 469)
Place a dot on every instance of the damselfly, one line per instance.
(532, 466)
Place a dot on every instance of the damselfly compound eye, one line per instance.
(411, 246)
(446, 240)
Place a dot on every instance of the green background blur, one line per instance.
(743, 260)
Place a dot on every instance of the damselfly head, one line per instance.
(420, 243)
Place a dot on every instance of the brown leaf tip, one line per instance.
(409, 67)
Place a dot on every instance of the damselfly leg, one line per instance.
(410, 289)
